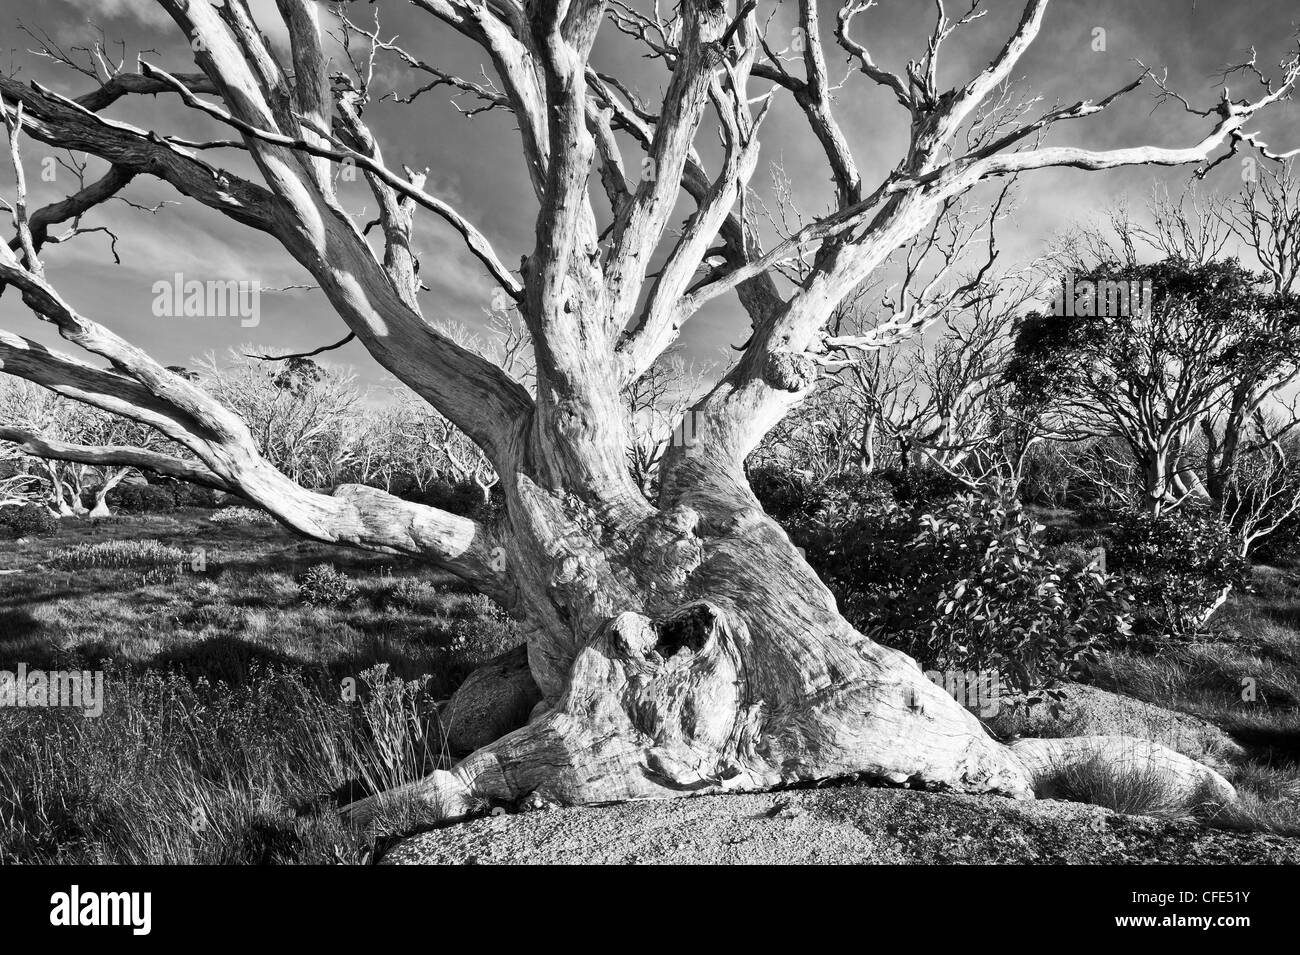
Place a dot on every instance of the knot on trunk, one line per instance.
(574, 582)
(689, 630)
(669, 548)
(678, 679)
(572, 418)
(632, 636)
(789, 371)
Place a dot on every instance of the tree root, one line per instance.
(1063, 767)
(495, 699)
(667, 708)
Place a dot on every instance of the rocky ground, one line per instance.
(845, 824)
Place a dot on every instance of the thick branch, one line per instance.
(114, 456)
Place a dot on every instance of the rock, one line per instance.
(1088, 711)
(495, 699)
(845, 824)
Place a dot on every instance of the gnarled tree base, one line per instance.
(657, 711)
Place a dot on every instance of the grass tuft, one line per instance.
(1133, 790)
(118, 554)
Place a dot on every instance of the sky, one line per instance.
(476, 163)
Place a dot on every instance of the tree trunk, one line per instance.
(692, 650)
(868, 464)
(1222, 455)
(1154, 465)
(111, 480)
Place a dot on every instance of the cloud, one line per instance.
(146, 12)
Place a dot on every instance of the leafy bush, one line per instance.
(118, 553)
(922, 485)
(142, 498)
(242, 517)
(185, 494)
(968, 586)
(326, 587)
(461, 497)
(1177, 566)
(782, 492)
(411, 595)
(26, 520)
(785, 494)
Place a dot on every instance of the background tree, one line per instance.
(657, 402)
(46, 422)
(1153, 376)
(1198, 228)
(303, 415)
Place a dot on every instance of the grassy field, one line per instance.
(240, 708)
(231, 730)
(1243, 677)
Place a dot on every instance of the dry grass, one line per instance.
(1246, 680)
(117, 554)
(1136, 791)
(231, 731)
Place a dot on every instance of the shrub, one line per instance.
(185, 494)
(26, 520)
(411, 594)
(922, 485)
(1177, 566)
(242, 517)
(461, 497)
(326, 587)
(968, 586)
(142, 498)
(782, 492)
(786, 494)
(117, 554)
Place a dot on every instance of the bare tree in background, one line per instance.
(947, 402)
(1266, 217)
(657, 403)
(681, 646)
(46, 422)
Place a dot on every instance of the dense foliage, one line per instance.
(27, 519)
(1177, 566)
(966, 584)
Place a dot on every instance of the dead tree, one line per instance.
(947, 402)
(682, 646)
(656, 404)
